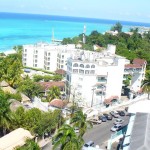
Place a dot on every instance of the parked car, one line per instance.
(103, 118)
(121, 112)
(88, 144)
(116, 127)
(114, 114)
(95, 121)
(109, 117)
(118, 121)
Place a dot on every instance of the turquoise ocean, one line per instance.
(19, 29)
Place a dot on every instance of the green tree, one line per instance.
(117, 27)
(11, 69)
(5, 112)
(53, 93)
(30, 145)
(146, 84)
(79, 120)
(65, 135)
(30, 88)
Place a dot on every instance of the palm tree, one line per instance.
(5, 112)
(65, 137)
(53, 93)
(146, 84)
(79, 120)
(30, 145)
(146, 88)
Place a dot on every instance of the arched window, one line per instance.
(81, 65)
(93, 66)
(87, 66)
(75, 65)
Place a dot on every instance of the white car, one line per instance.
(118, 121)
(116, 127)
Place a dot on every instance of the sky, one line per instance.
(127, 10)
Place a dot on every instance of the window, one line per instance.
(36, 52)
(87, 66)
(67, 77)
(35, 65)
(25, 50)
(62, 61)
(48, 68)
(35, 56)
(92, 72)
(35, 61)
(62, 66)
(62, 56)
(48, 59)
(81, 65)
(75, 70)
(25, 64)
(81, 71)
(49, 54)
(87, 71)
(48, 63)
(101, 79)
(93, 66)
(75, 65)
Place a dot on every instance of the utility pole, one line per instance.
(92, 96)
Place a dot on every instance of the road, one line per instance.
(99, 133)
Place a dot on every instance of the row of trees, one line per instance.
(129, 46)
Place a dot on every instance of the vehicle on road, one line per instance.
(102, 118)
(116, 127)
(95, 121)
(88, 144)
(109, 117)
(114, 114)
(119, 121)
(121, 113)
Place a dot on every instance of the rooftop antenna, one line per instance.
(84, 31)
(53, 39)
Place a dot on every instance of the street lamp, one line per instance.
(92, 96)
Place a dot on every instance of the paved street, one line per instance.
(101, 133)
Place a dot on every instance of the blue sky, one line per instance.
(128, 10)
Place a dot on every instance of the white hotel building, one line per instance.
(92, 77)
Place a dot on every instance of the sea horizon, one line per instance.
(22, 28)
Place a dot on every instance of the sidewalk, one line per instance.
(44, 142)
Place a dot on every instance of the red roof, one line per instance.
(47, 85)
(139, 61)
(57, 103)
(60, 71)
(133, 66)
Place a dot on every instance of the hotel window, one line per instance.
(62, 61)
(93, 66)
(25, 55)
(24, 64)
(35, 56)
(49, 54)
(87, 71)
(48, 63)
(35, 65)
(81, 71)
(48, 59)
(48, 68)
(25, 50)
(75, 70)
(81, 65)
(75, 65)
(62, 66)
(62, 56)
(35, 61)
(87, 66)
(92, 71)
(36, 52)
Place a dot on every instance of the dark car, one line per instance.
(121, 113)
(103, 118)
(109, 117)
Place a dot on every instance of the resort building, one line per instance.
(92, 78)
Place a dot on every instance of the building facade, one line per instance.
(92, 78)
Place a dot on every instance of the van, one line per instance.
(88, 144)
